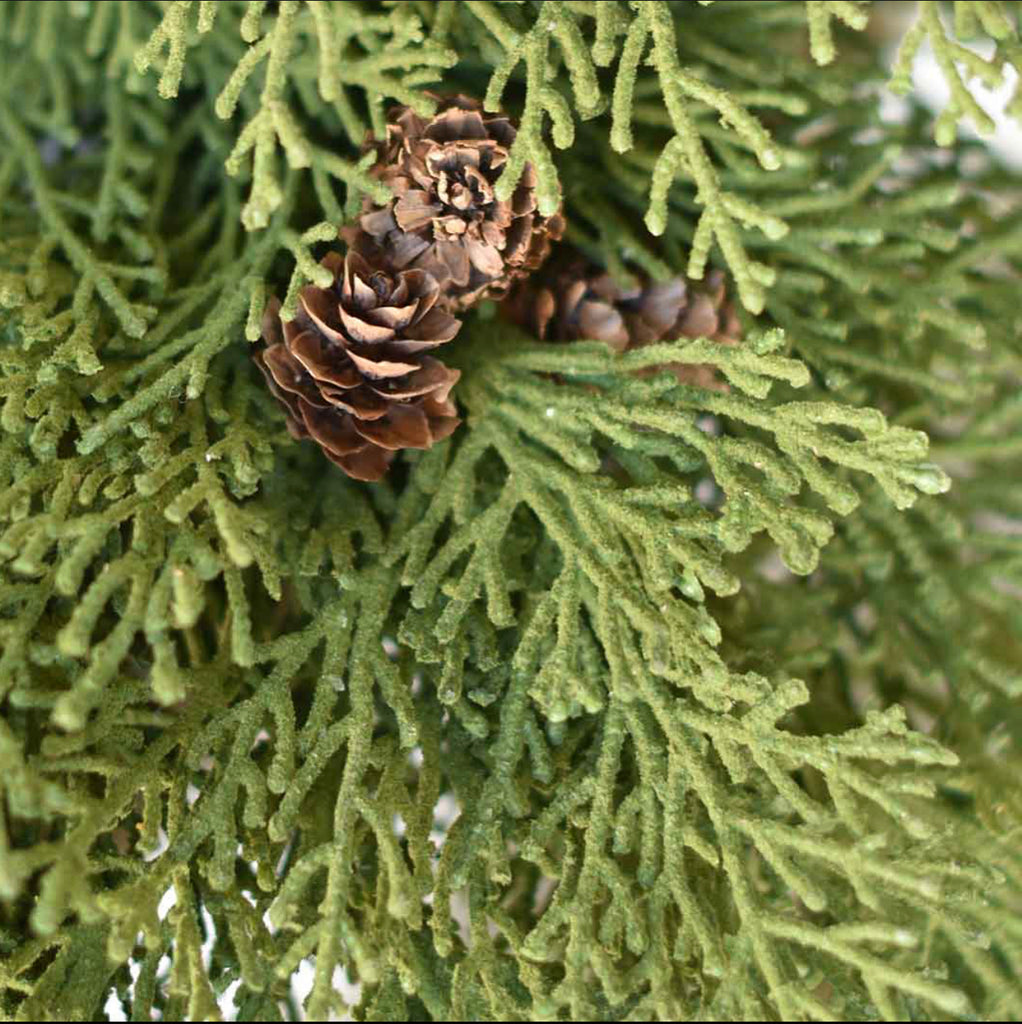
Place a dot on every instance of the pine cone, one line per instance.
(577, 302)
(351, 369)
(444, 218)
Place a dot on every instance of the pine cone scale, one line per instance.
(363, 403)
(433, 378)
(597, 320)
(336, 435)
(392, 317)
(402, 427)
(435, 328)
(289, 375)
(447, 421)
(484, 257)
(369, 463)
(700, 319)
(360, 329)
(380, 369)
(412, 211)
(287, 399)
(308, 350)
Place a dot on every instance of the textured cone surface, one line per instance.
(354, 371)
(576, 302)
(445, 217)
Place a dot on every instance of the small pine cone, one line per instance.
(351, 369)
(579, 303)
(444, 217)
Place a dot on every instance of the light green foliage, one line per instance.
(958, 63)
(724, 684)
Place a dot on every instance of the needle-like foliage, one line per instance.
(634, 700)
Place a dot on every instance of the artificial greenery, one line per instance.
(723, 686)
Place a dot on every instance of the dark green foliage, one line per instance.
(724, 685)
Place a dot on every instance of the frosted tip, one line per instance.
(931, 479)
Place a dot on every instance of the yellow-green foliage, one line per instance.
(725, 686)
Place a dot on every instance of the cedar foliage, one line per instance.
(724, 685)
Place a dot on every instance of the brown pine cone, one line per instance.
(444, 218)
(351, 369)
(577, 303)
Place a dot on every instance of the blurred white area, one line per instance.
(932, 89)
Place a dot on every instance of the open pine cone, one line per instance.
(577, 302)
(444, 217)
(352, 369)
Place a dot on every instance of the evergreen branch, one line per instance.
(132, 318)
(950, 54)
(532, 48)
(820, 14)
(686, 152)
